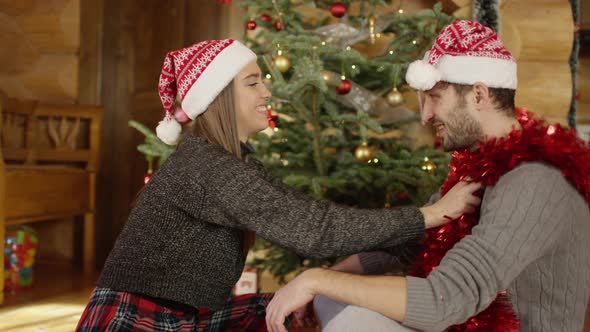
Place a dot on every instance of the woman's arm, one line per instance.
(293, 220)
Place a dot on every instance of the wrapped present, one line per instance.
(20, 248)
(248, 282)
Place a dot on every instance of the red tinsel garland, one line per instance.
(537, 141)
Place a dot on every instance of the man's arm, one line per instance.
(379, 262)
(519, 222)
(522, 218)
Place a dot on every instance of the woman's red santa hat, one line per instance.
(197, 74)
(465, 52)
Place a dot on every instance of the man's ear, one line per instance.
(481, 95)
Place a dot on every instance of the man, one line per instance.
(529, 239)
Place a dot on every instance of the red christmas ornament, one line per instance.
(344, 87)
(338, 10)
(401, 196)
(250, 25)
(278, 25)
(265, 18)
(147, 176)
(537, 141)
(226, 2)
(272, 119)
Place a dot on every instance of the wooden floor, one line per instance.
(55, 314)
(54, 304)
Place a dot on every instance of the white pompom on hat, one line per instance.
(465, 52)
(198, 74)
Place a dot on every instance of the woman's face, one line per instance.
(250, 101)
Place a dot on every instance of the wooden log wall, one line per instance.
(39, 57)
(584, 69)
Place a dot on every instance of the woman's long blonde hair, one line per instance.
(218, 125)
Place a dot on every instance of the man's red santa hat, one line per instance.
(464, 52)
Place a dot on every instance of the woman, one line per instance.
(185, 243)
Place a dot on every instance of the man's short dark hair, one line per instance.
(501, 97)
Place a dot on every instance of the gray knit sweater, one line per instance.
(532, 240)
(182, 240)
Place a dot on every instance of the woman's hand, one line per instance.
(294, 296)
(305, 316)
(452, 205)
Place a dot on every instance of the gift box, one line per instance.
(248, 282)
(20, 248)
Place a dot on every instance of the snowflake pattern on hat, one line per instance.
(468, 38)
(182, 68)
(465, 52)
(197, 74)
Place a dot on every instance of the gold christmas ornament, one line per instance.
(372, 34)
(331, 79)
(326, 76)
(363, 153)
(395, 98)
(283, 64)
(428, 166)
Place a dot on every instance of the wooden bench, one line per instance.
(48, 166)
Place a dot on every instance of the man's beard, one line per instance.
(462, 131)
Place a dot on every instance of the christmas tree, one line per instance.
(337, 115)
(341, 115)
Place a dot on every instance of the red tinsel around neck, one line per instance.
(536, 141)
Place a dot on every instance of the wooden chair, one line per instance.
(48, 166)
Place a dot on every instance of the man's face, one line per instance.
(451, 114)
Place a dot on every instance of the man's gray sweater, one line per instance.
(532, 240)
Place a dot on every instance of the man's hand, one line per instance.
(295, 295)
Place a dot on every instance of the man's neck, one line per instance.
(498, 125)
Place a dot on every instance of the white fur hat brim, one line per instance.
(495, 73)
(422, 76)
(218, 74)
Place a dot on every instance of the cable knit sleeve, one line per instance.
(522, 217)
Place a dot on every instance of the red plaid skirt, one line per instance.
(112, 311)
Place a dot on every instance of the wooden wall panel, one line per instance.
(542, 52)
(545, 88)
(537, 40)
(39, 55)
(583, 114)
(585, 13)
(90, 53)
(133, 49)
(113, 179)
(53, 26)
